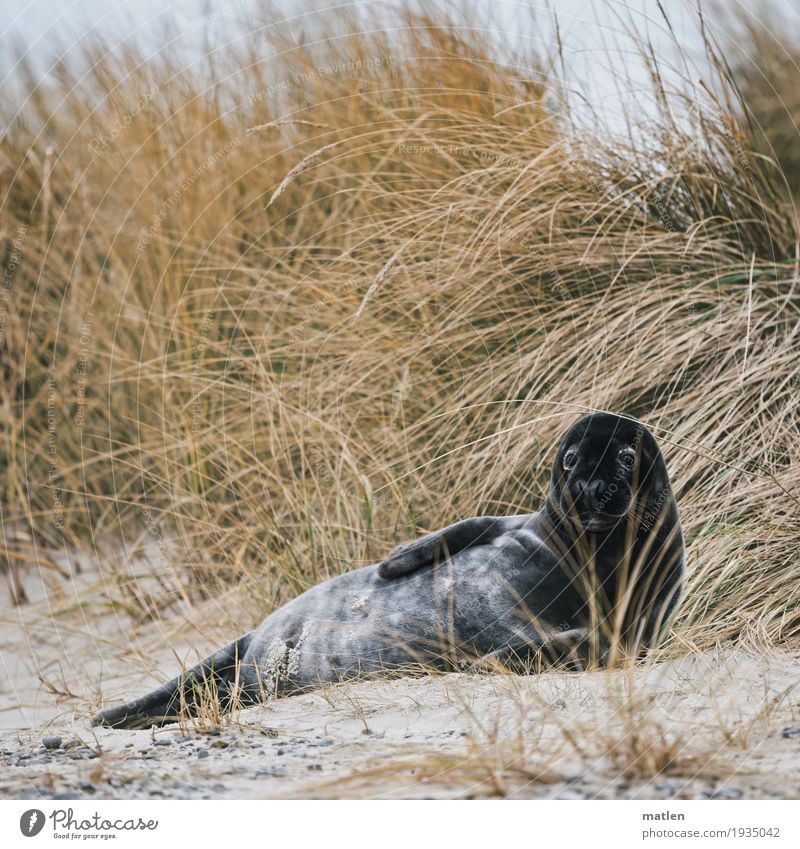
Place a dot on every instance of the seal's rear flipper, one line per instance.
(217, 676)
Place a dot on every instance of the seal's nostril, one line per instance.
(577, 493)
(595, 493)
(589, 494)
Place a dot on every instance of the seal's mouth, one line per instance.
(594, 518)
(591, 521)
(595, 522)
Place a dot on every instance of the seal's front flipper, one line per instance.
(216, 677)
(558, 648)
(414, 555)
(440, 545)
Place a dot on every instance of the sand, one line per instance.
(722, 724)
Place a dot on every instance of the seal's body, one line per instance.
(602, 561)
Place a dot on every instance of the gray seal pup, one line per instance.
(592, 577)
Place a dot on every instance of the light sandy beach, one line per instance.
(718, 724)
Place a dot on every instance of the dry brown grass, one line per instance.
(765, 60)
(318, 311)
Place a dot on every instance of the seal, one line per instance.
(593, 577)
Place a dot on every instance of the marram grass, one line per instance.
(267, 317)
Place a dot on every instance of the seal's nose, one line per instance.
(588, 494)
(592, 495)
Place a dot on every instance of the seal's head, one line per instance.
(606, 466)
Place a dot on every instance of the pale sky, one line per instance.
(601, 60)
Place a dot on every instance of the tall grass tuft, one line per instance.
(272, 314)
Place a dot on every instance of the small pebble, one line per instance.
(791, 731)
(726, 793)
(568, 793)
(51, 742)
(734, 793)
(33, 793)
(162, 743)
(275, 772)
(82, 753)
(202, 753)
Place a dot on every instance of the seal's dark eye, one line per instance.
(627, 457)
(570, 458)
